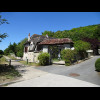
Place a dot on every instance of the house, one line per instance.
(38, 43)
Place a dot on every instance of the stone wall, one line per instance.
(31, 56)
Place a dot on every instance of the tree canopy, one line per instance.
(91, 31)
(2, 21)
(15, 48)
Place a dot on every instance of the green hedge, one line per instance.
(44, 59)
(97, 64)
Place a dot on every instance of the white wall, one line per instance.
(45, 48)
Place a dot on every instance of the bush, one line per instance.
(97, 65)
(81, 47)
(68, 55)
(67, 62)
(44, 59)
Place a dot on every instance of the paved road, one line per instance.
(59, 75)
(86, 70)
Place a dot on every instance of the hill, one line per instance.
(91, 31)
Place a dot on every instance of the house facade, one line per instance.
(38, 43)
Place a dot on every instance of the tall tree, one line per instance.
(20, 48)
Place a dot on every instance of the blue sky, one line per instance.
(23, 23)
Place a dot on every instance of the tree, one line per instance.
(20, 48)
(3, 35)
(15, 48)
(50, 33)
(6, 51)
(1, 52)
(81, 47)
(95, 44)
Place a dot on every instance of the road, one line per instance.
(60, 76)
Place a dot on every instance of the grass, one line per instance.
(30, 63)
(11, 57)
(57, 60)
(7, 73)
(3, 60)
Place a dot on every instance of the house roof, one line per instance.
(56, 41)
(37, 39)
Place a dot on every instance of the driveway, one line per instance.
(79, 75)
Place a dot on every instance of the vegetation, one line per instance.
(2, 21)
(7, 72)
(95, 44)
(68, 55)
(29, 63)
(91, 31)
(1, 53)
(11, 49)
(44, 59)
(16, 49)
(3, 60)
(20, 48)
(97, 65)
(81, 47)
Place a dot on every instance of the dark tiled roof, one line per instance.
(37, 39)
(56, 41)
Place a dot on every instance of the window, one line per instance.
(26, 49)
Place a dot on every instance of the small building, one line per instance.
(38, 43)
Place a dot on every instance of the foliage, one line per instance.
(54, 51)
(1, 52)
(91, 31)
(2, 21)
(68, 55)
(20, 48)
(44, 59)
(50, 33)
(11, 49)
(17, 49)
(95, 44)
(3, 60)
(97, 64)
(81, 46)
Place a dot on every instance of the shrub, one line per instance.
(97, 65)
(67, 62)
(68, 55)
(44, 59)
(81, 47)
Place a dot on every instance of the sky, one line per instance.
(23, 23)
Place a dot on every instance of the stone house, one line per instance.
(38, 43)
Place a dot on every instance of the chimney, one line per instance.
(29, 37)
(47, 35)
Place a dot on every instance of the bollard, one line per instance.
(27, 61)
(10, 62)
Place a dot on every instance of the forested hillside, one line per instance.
(91, 31)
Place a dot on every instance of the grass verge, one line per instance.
(7, 73)
(29, 63)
